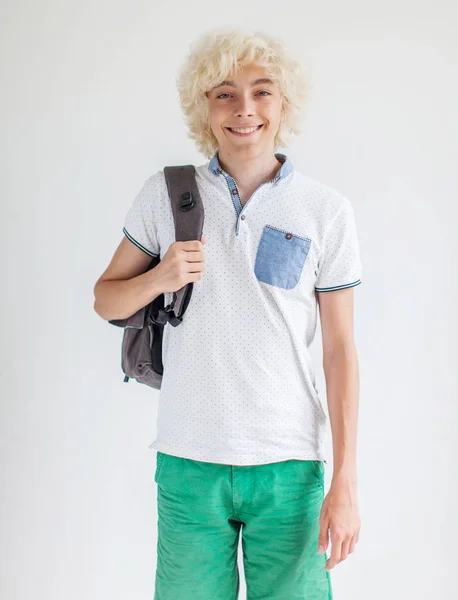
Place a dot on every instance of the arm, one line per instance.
(340, 363)
(124, 287)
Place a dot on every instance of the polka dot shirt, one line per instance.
(239, 385)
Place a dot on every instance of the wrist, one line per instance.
(345, 476)
(154, 287)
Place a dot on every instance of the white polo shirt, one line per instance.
(239, 384)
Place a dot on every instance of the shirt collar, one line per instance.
(285, 169)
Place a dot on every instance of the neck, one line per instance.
(249, 170)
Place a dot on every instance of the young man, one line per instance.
(241, 427)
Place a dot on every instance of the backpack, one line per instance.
(141, 349)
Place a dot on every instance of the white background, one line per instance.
(89, 111)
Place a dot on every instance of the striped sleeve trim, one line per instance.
(129, 237)
(338, 287)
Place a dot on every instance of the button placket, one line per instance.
(234, 192)
(241, 215)
(239, 208)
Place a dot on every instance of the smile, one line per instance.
(245, 131)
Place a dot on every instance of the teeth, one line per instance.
(244, 130)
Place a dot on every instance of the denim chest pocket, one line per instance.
(280, 257)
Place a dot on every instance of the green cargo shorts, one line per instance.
(203, 507)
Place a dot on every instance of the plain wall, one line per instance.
(89, 111)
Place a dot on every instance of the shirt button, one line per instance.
(234, 191)
(243, 217)
(288, 236)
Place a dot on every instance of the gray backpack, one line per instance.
(141, 351)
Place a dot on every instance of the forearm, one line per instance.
(342, 391)
(120, 299)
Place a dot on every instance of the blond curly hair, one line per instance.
(214, 56)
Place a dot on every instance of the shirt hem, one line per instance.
(247, 461)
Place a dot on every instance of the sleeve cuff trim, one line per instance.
(338, 287)
(129, 237)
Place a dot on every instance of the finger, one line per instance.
(351, 548)
(194, 255)
(345, 547)
(335, 554)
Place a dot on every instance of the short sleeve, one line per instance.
(140, 225)
(340, 265)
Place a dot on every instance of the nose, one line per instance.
(245, 106)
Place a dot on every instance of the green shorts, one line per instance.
(203, 507)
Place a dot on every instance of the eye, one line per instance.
(260, 92)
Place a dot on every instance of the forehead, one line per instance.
(250, 75)
(253, 69)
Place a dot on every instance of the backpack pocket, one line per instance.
(280, 257)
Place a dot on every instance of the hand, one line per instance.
(339, 514)
(184, 262)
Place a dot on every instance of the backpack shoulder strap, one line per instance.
(188, 215)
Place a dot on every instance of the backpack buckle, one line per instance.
(166, 315)
(186, 201)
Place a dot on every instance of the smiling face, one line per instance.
(245, 111)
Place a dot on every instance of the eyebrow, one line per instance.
(230, 83)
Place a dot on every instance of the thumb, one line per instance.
(203, 240)
(323, 538)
